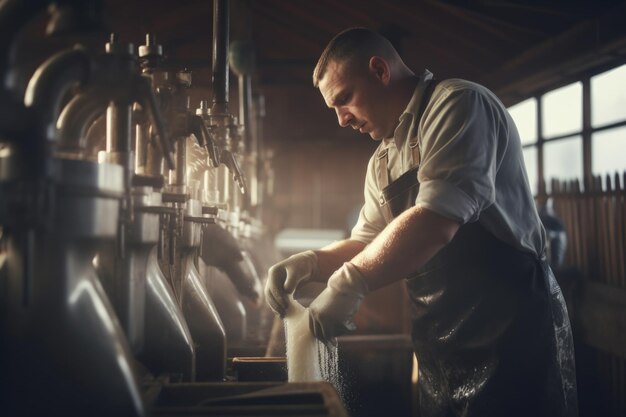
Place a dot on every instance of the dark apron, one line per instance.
(489, 324)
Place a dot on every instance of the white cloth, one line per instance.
(471, 167)
(303, 350)
(308, 359)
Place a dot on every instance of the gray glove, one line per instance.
(284, 277)
(330, 314)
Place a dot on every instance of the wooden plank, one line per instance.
(600, 317)
(590, 242)
(587, 243)
(614, 256)
(577, 202)
(600, 230)
(570, 53)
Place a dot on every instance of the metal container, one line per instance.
(61, 329)
(260, 368)
(168, 347)
(204, 323)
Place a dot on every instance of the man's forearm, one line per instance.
(404, 246)
(331, 257)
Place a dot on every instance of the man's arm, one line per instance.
(332, 256)
(405, 245)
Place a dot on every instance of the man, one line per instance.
(447, 204)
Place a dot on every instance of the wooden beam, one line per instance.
(309, 17)
(295, 28)
(416, 20)
(566, 56)
(504, 30)
(352, 16)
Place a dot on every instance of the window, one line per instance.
(560, 140)
(563, 111)
(563, 159)
(608, 151)
(530, 160)
(525, 117)
(608, 97)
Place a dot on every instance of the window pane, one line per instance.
(562, 110)
(530, 159)
(525, 116)
(563, 159)
(608, 151)
(608, 97)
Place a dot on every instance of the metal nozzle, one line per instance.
(228, 158)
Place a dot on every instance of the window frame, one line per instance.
(586, 133)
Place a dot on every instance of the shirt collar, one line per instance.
(410, 113)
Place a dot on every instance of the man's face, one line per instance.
(358, 98)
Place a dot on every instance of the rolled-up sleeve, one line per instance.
(371, 220)
(458, 155)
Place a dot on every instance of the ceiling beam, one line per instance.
(295, 28)
(442, 33)
(568, 55)
(505, 31)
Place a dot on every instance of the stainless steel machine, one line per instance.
(131, 263)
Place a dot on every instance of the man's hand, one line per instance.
(330, 314)
(284, 277)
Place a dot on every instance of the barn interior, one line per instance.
(158, 157)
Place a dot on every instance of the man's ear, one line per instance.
(380, 69)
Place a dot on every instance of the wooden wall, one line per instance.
(319, 167)
(594, 280)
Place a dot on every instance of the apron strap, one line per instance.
(414, 144)
(382, 159)
(382, 171)
(382, 175)
(415, 151)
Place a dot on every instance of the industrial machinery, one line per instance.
(132, 251)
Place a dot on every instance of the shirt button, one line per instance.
(381, 200)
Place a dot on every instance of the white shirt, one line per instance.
(471, 167)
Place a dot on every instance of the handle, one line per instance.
(228, 158)
(148, 101)
(202, 133)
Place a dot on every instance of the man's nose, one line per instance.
(344, 117)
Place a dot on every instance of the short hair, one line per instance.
(350, 45)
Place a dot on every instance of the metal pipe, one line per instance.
(119, 130)
(148, 101)
(14, 14)
(119, 133)
(230, 160)
(259, 106)
(257, 180)
(245, 99)
(141, 148)
(77, 116)
(241, 58)
(221, 27)
(51, 81)
(154, 157)
(178, 174)
(201, 132)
